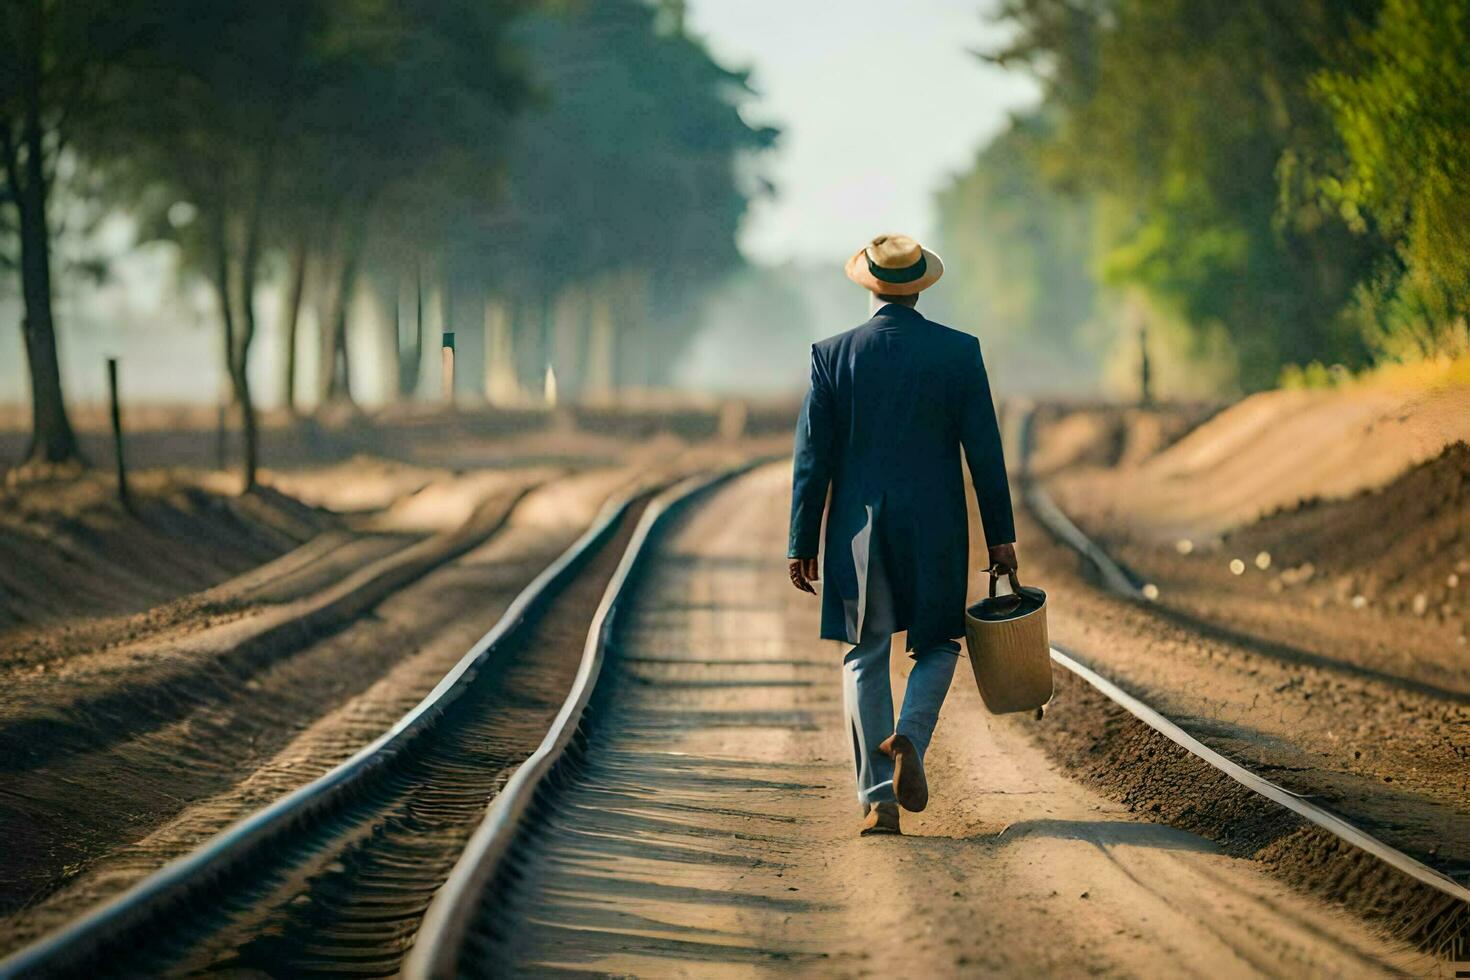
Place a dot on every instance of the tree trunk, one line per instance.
(631, 352)
(249, 265)
(411, 351)
(234, 368)
(52, 438)
(601, 340)
(291, 320)
(501, 386)
(250, 430)
(339, 379)
(569, 340)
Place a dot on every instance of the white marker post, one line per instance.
(447, 353)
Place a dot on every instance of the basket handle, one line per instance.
(1011, 575)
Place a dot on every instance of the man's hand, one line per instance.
(804, 573)
(1003, 558)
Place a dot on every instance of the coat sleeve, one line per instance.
(812, 471)
(980, 435)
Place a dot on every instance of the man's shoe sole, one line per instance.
(874, 825)
(880, 832)
(910, 784)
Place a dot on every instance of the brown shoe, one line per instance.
(882, 818)
(909, 784)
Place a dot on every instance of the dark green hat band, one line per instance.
(897, 276)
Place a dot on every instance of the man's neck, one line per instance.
(876, 303)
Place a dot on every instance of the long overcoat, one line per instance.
(891, 404)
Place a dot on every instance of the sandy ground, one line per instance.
(1364, 705)
(159, 436)
(101, 749)
(713, 831)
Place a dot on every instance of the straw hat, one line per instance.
(895, 265)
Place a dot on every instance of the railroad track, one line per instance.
(334, 876)
(394, 854)
(499, 911)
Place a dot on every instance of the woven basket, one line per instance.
(1009, 650)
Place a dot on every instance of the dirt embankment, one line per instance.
(1380, 580)
(1308, 610)
(1354, 548)
(1066, 438)
(69, 550)
(1271, 452)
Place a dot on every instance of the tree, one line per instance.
(407, 137)
(623, 190)
(1186, 124)
(55, 56)
(1401, 105)
(293, 127)
(203, 125)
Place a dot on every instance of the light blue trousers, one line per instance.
(868, 696)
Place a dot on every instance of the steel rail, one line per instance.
(1294, 802)
(1055, 521)
(446, 924)
(85, 939)
(1059, 524)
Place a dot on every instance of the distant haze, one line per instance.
(879, 103)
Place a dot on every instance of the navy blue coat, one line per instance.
(891, 404)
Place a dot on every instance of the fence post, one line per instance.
(447, 352)
(117, 435)
(220, 422)
(1145, 372)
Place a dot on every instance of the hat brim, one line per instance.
(857, 271)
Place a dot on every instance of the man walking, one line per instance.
(890, 406)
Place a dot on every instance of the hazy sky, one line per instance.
(834, 76)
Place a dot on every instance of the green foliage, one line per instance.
(1313, 377)
(1290, 172)
(1401, 106)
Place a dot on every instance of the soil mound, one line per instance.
(1403, 549)
(68, 549)
(1271, 451)
(1107, 435)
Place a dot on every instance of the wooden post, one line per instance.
(1145, 375)
(448, 363)
(220, 422)
(117, 435)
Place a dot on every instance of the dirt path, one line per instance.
(713, 828)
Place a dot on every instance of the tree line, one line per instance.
(566, 174)
(1262, 184)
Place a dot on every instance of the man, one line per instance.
(891, 404)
